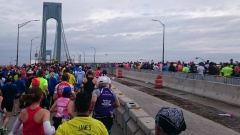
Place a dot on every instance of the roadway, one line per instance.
(196, 125)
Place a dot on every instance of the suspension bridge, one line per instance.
(60, 51)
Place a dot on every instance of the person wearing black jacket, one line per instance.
(212, 69)
(172, 68)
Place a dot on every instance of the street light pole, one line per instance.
(84, 55)
(94, 53)
(79, 57)
(37, 54)
(31, 50)
(19, 26)
(201, 59)
(74, 57)
(163, 38)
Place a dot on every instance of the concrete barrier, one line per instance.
(147, 124)
(140, 132)
(137, 113)
(132, 127)
(217, 91)
(132, 119)
(199, 88)
(120, 111)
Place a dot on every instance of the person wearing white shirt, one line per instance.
(200, 69)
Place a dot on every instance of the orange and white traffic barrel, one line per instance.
(158, 82)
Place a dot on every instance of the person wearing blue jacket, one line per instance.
(52, 82)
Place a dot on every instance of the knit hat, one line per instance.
(170, 121)
(35, 82)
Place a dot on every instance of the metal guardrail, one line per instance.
(210, 78)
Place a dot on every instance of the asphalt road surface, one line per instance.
(196, 125)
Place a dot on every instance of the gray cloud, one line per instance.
(124, 31)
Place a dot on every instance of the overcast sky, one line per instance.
(123, 29)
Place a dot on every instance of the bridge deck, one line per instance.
(196, 125)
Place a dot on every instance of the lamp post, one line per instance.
(84, 55)
(106, 57)
(31, 50)
(79, 57)
(36, 54)
(19, 26)
(200, 58)
(74, 57)
(94, 53)
(163, 38)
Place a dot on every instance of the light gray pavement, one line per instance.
(201, 100)
(196, 125)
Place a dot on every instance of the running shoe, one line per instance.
(6, 129)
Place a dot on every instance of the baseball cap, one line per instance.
(80, 67)
(170, 121)
(35, 82)
(102, 79)
(67, 89)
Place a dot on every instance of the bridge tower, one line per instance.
(51, 10)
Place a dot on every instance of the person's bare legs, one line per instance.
(16, 106)
(6, 119)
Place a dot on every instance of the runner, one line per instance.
(9, 91)
(44, 88)
(21, 89)
(63, 106)
(71, 79)
(105, 76)
(98, 72)
(2, 80)
(52, 82)
(59, 88)
(82, 124)
(169, 121)
(104, 100)
(35, 120)
(89, 82)
(79, 74)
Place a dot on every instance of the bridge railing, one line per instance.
(210, 78)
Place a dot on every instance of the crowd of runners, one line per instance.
(80, 98)
(33, 92)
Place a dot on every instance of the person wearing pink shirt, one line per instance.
(63, 107)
